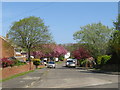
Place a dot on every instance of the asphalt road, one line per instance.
(63, 77)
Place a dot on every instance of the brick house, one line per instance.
(6, 49)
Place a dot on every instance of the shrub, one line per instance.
(17, 62)
(61, 58)
(36, 62)
(101, 60)
(5, 62)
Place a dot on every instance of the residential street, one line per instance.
(63, 77)
(59, 44)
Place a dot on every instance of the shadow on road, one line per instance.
(84, 70)
(99, 72)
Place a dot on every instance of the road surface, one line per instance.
(63, 77)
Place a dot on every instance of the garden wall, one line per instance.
(10, 71)
(41, 66)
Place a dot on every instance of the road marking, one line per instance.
(78, 85)
(94, 81)
(26, 86)
(28, 77)
(32, 83)
(22, 81)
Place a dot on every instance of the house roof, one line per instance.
(4, 38)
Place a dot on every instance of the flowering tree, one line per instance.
(5, 62)
(50, 50)
(44, 50)
(81, 53)
(84, 57)
(38, 54)
(59, 51)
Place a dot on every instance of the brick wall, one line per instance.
(6, 50)
(0, 48)
(10, 71)
(41, 66)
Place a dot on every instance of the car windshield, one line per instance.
(51, 63)
(44, 60)
(70, 61)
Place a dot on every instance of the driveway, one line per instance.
(63, 77)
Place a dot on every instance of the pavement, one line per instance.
(106, 72)
(63, 77)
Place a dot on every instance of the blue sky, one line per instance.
(63, 18)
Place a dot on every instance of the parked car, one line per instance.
(71, 62)
(45, 61)
(68, 62)
(56, 59)
(51, 64)
(69, 59)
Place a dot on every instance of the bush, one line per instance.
(36, 62)
(17, 62)
(101, 60)
(61, 58)
(5, 62)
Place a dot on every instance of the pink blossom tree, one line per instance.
(59, 51)
(50, 50)
(81, 53)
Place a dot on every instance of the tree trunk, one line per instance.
(36, 66)
(29, 59)
(91, 65)
(86, 65)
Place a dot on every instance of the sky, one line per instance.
(63, 18)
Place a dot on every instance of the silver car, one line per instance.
(51, 64)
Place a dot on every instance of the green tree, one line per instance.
(115, 39)
(72, 46)
(95, 37)
(28, 33)
(102, 60)
(117, 23)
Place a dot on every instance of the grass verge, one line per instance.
(17, 75)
